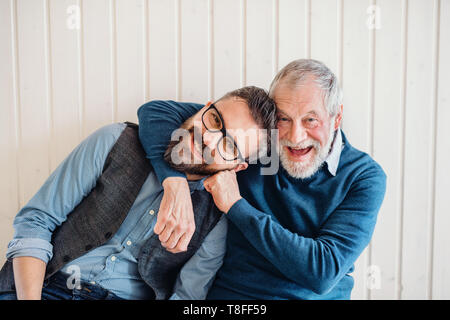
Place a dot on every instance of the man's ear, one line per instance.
(241, 166)
(338, 119)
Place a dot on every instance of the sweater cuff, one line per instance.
(163, 170)
(239, 210)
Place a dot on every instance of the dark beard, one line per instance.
(202, 169)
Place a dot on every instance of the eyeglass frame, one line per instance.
(224, 134)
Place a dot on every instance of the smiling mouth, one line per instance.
(299, 152)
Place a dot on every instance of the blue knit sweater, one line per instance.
(288, 238)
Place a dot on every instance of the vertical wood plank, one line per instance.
(65, 75)
(8, 131)
(98, 67)
(162, 54)
(259, 71)
(129, 58)
(34, 152)
(227, 46)
(387, 146)
(441, 261)
(293, 28)
(194, 51)
(357, 107)
(324, 32)
(418, 144)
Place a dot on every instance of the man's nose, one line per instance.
(298, 133)
(210, 139)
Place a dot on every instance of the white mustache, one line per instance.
(302, 145)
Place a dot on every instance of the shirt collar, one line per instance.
(335, 154)
(196, 184)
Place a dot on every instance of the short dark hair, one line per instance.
(262, 107)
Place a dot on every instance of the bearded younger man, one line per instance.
(88, 232)
(295, 234)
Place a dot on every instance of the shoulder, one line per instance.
(358, 161)
(106, 135)
(99, 143)
(361, 171)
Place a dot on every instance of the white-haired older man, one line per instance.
(294, 234)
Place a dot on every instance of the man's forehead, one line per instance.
(230, 102)
(300, 99)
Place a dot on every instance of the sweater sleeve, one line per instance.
(157, 120)
(317, 263)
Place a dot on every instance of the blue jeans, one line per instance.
(55, 288)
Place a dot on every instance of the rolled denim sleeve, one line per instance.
(30, 247)
(197, 275)
(71, 181)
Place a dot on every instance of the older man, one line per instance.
(297, 233)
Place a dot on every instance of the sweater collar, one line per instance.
(335, 154)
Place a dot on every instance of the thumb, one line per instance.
(207, 184)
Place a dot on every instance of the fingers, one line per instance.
(207, 185)
(180, 246)
(178, 241)
(168, 229)
(177, 233)
(212, 182)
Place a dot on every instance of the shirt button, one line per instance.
(129, 243)
(113, 258)
(152, 212)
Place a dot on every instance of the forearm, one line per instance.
(157, 120)
(29, 275)
(314, 263)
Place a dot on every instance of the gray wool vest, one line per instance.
(99, 215)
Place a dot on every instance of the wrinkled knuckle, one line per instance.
(171, 223)
(180, 229)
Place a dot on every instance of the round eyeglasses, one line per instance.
(227, 147)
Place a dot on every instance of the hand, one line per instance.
(175, 224)
(224, 189)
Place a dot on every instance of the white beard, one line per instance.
(303, 170)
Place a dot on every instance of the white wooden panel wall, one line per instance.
(71, 66)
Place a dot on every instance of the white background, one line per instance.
(62, 77)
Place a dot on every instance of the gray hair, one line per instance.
(299, 71)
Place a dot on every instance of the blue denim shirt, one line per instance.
(114, 264)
